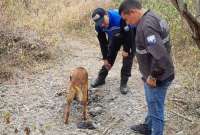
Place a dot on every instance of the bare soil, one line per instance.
(34, 103)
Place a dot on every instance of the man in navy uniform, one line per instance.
(155, 62)
(112, 33)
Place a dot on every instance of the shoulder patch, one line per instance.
(96, 17)
(126, 28)
(151, 40)
(117, 34)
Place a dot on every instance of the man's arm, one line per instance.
(128, 33)
(125, 32)
(157, 50)
(103, 42)
(114, 43)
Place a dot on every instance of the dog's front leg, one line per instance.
(84, 110)
(85, 101)
(67, 112)
(70, 96)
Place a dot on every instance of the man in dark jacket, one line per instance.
(155, 62)
(112, 33)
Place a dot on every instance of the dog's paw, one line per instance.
(65, 121)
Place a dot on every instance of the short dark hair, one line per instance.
(127, 5)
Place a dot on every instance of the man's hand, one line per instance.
(107, 64)
(151, 81)
(124, 54)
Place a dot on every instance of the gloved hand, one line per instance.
(107, 64)
(124, 54)
(151, 81)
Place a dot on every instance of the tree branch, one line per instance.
(190, 19)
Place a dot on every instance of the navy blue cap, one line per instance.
(98, 16)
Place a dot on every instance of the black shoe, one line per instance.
(124, 89)
(123, 85)
(97, 83)
(101, 77)
(141, 128)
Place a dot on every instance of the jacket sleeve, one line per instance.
(156, 48)
(128, 33)
(103, 42)
(114, 42)
(123, 29)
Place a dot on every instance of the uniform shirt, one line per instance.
(153, 47)
(114, 23)
(116, 29)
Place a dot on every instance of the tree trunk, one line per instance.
(192, 21)
(198, 8)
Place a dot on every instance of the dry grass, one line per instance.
(7, 116)
(53, 19)
(49, 21)
(20, 50)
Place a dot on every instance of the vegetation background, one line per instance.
(30, 30)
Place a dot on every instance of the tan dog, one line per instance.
(78, 89)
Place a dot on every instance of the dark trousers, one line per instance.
(114, 48)
(126, 63)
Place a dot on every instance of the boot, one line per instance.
(100, 80)
(141, 128)
(123, 85)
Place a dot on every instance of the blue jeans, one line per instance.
(155, 98)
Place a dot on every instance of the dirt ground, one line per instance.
(33, 101)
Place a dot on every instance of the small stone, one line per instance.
(16, 131)
(96, 111)
(112, 98)
(180, 133)
(27, 130)
(129, 111)
(86, 125)
(95, 95)
(111, 103)
(2, 95)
